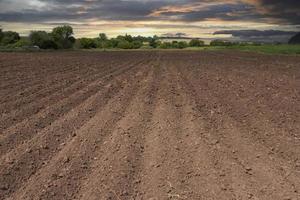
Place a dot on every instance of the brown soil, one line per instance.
(149, 125)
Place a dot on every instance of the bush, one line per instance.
(113, 43)
(102, 41)
(9, 37)
(154, 43)
(104, 44)
(128, 38)
(137, 44)
(63, 37)
(165, 45)
(196, 43)
(182, 45)
(23, 42)
(174, 44)
(42, 39)
(123, 44)
(87, 43)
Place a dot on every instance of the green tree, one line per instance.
(182, 45)
(102, 41)
(141, 38)
(137, 44)
(196, 43)
(103, 44)
(10, 37)
(23, 42)
(103, 37)
(128, 38)
(63, 37)
(42, 39)
(165, 45)
(123, 44)
(87, 43)
(175, 44)
(127, 42)
(154, 41)
(114, 42)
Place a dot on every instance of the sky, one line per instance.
(235, 19)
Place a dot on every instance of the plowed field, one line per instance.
(149, 125)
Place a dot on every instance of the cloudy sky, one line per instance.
(196, 18)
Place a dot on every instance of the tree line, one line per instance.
(62, 37)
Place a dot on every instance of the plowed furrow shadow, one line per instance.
(24, 161)
(251, 173)
(57, 72)
(250, 103)
(80, 151)
(36, 82)
(43, 67)
(256, 121)
(17, 116)
(56, 88)
(21, 79)
(60, 70)
(196, 177)
(123, 150)
(28, 128)
(163, 165)
(22, 94)
(254, 115)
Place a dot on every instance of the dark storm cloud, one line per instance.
(255, 33)
(219, 11)
(280, 5)
(282, 10)
(270, 11)
(87, 9)
(258, 35)
(59, 10)
(124, 10)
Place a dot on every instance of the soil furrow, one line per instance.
(27, 158)
(122, 150)
(29, 127)
(60, 95)
(58, 88)
(59, 176)
(150, 125)
(228, 137)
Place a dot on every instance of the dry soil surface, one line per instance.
(149, 125)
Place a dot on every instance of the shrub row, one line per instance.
(62, 38)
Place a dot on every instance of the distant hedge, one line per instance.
(61, 37)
